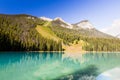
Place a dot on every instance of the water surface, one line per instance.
(53, 65)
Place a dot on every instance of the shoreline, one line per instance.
(69, 51)
(74, 51)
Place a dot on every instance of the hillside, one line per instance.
(85, 27)
(91, 43)
(28, 33)
(18, 33)
(47, 33)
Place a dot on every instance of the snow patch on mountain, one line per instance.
(68, 25)
(85, 24)
(60, 19)
(45, 18)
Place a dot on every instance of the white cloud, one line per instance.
(114, 29)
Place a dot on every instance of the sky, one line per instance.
(101, 13)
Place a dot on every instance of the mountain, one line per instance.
(85, 24)
(60, 22)
(84, 27)
(29, 33)
(57, 22)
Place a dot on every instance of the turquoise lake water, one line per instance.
(52, 65)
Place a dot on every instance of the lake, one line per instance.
(55, 65)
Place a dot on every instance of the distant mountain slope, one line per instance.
(94, 33)
(84, 28)
(85, 24)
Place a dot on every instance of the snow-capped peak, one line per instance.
(68, 25)
(85, 24)
(45, 18)
(60, 19)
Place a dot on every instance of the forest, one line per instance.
(17, 33)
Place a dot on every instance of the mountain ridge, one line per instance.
(84, 26)
(81, 24)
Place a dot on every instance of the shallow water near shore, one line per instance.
(54, 65)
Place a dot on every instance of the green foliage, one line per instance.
(102, 44)
(18, 33)
(94, 43)
(68, 35)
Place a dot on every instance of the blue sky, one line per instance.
(100, 12)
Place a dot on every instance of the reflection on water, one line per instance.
(54, 65)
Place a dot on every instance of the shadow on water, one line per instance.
(87, 73)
